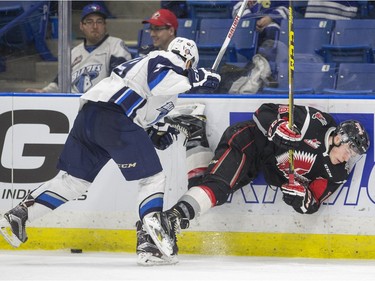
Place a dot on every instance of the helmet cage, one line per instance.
(353, 133)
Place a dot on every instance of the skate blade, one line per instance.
(158, 235)
(147, 259)
(6, 232)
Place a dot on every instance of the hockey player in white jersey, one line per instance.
(120, 120)
(96, 57)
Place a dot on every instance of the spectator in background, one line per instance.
(333, 10)
(93, 59)
(179, 8)
(269, 14)
(163, 29)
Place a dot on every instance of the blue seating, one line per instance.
(16, 37)
(309, 78)
(309, 36)
(144, 38)
(354, 78)
(353, 41)
(209, 9)
(211, 36)
(187, 28)
(25, 24)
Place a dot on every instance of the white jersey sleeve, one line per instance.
(146, 87)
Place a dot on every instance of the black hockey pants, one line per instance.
(236, 161)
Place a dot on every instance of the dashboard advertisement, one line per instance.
(33, 129)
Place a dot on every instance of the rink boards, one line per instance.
(254, 221)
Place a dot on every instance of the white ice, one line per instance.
(61, 265)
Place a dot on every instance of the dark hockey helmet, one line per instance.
(352, 132)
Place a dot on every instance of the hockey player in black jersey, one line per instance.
(324, 152)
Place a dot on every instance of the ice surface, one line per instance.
(63, 265)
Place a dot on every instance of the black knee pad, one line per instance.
(219, 187)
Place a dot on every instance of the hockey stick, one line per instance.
(229, 35)
(291, 88)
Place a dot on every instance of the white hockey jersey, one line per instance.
(88, 68)
(145, 87)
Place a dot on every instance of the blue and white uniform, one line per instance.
(112, 123)
(91, 64)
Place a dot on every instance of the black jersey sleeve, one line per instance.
(267, 113)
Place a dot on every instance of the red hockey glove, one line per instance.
(284, 137)
(299, 197)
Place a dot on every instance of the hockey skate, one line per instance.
(147, 252)
(12, 226)
(163, 232)
(163, 228)
(190, 120)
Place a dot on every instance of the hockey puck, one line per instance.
(76, 251)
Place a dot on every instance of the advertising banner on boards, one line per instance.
(33, 130)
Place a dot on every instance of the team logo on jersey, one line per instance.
(303, 162)
(314, 143)
(283, 109)
(164, 110)
(319, 116)
(82, 78)
(77, 60)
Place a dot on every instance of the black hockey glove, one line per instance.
(284, 137)
(162, 135)
(204, 78)
(299, 197)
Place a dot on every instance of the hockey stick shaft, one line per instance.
(229, 35)
(291, 87)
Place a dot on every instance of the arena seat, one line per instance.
(352, 41)
(18, 36)
(309, 78)
(209, 9)
(211, 36)
(309, 36)
(188, 28)
(25, 23)
(354, 78)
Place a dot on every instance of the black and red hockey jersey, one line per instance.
(312, 165)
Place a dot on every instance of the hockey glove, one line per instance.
(204, 78)
(299, 197)
(284, 137)
(162, 135)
